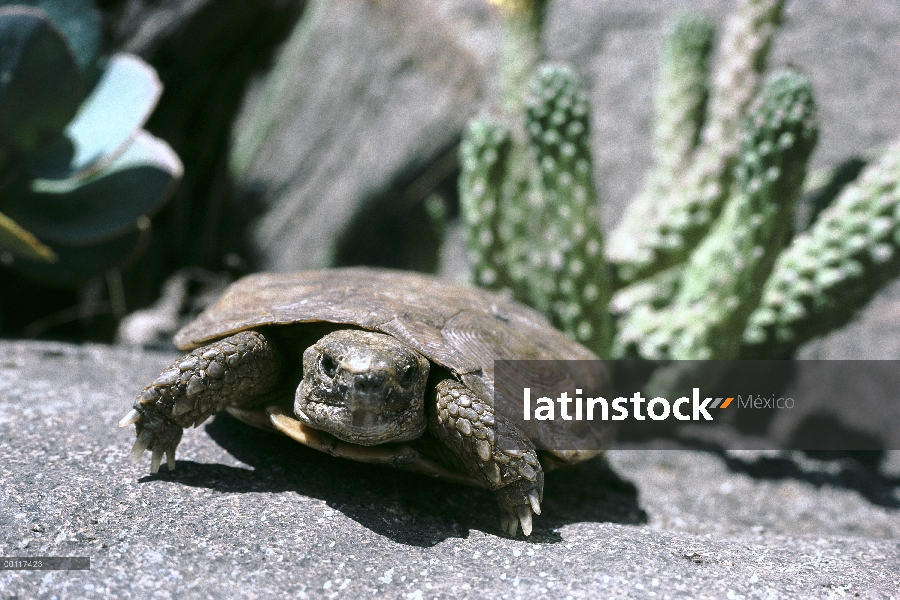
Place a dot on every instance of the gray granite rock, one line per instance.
(253, 515)
(366, 98)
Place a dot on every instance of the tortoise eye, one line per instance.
(329, 365)
(407, 374)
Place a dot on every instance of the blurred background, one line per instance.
(314, 134)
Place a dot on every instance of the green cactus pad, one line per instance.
(834, 268)
(556, 119)
(41, 85)
(723, 280)
(86, 212)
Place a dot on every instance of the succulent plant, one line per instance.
(833, 268)
(721, 282)
(78, 174)
(713, 259)
(537, 231)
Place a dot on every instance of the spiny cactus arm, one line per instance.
(745, 51)
(699, 196)
(833, 269)
(522, 24)
(723, 280)
(682, 92)
(682, 89)
(556, 119)
(657, 291)
(484, 159)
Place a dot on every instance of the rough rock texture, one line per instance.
(375, 95)
(251, 514)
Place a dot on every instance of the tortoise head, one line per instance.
(363, 387)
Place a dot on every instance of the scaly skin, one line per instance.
(491, 449)
(233, 371)
(834, 268)
(556, 119)
(722, 282)
(682, 90)
(698, 197)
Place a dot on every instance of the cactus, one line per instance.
(716, 259)
(722, 281)
(835, 267)
(699, 194)
(556, 116)
(539, 235)
(682, 91)
(78, 175)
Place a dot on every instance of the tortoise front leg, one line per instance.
(233, 371)
(493, 450)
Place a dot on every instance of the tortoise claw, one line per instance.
(131, 418)
(525, 519)
(140, 444)
(512, 525)
(155, 460)
(154, 432)
(519, 501)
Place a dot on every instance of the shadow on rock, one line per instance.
(853, 470)
(404, 507)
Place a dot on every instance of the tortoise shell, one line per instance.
(460, 328)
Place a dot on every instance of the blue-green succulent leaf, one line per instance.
(106, 123)
(79, 21)
(40, 87)
(85, 212)
(112, 114)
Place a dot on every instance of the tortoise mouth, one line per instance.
(364, 427)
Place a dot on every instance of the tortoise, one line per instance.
(373, 365)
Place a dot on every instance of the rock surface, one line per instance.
(254, 515)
